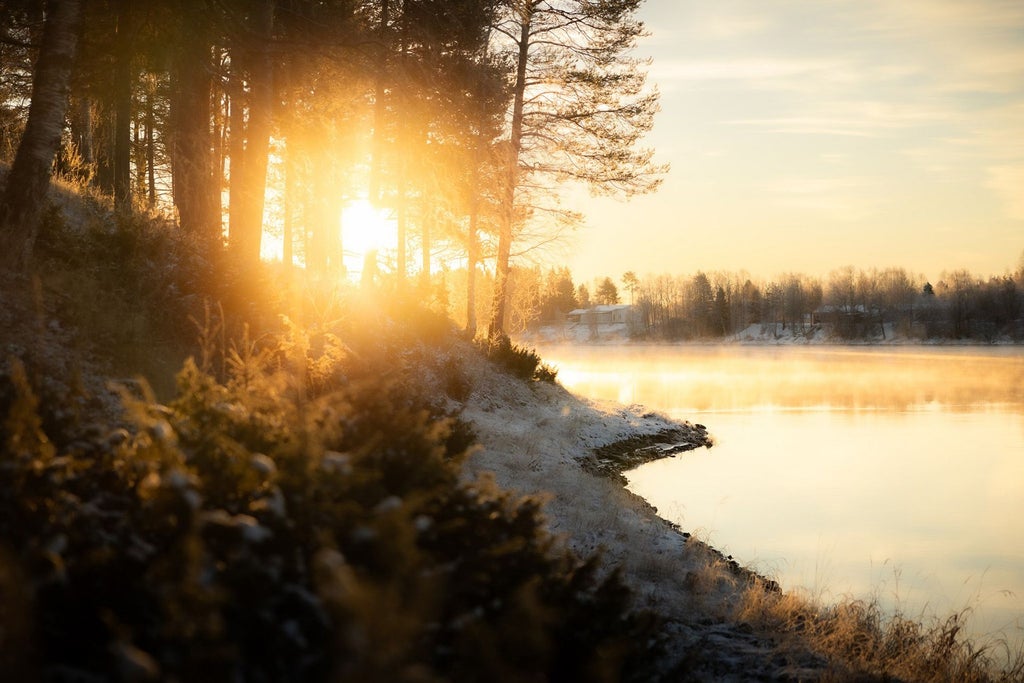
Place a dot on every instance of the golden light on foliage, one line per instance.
(365, 228)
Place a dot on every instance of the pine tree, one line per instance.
(579, 108)
(22, 203)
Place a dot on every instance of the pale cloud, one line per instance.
(969, 45)
(810, 125)
(843, 199)
(866, 118)
(874, 121)
(1008, 184)
(755, 71)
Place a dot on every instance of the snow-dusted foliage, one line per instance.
(519, 361)
(299, 516)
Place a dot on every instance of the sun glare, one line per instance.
(364, 228)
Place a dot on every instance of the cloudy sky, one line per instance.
(805, 135)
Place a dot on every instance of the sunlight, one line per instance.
(364, 227)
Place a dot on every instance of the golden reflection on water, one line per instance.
(877, 471)
(731, 378)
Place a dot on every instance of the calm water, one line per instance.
(896, 473)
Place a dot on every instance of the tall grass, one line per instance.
(863, 640)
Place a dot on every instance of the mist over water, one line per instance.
(876, 471)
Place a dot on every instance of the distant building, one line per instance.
(605, 322)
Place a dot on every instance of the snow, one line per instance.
(533, 437)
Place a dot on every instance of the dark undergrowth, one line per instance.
(285, 505)
(293, 513)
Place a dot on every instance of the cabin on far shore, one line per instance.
(607, 322)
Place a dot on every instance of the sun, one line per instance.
(364, 228)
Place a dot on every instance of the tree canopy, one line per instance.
(257, 124)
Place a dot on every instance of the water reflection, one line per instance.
(729, 378)
(896, 472)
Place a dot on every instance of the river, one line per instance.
(888, 473)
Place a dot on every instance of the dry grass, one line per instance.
(862, 641)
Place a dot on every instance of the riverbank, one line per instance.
(819, 334)
(539, 439)
(723, 622)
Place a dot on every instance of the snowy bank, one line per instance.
(539, 439)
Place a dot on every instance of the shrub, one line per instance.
(261, 528)
(519, 361)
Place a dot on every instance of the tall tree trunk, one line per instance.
(472, 257)
(236, 150)
(290, 191)
(28, 180)
(150, 152)
(402, 230)
(246, 229)
(507, 214)
(81, 135)
(194, 157)
(139, 152)
(324, 223)
(123, 107)
(379, 107)
(427, 221)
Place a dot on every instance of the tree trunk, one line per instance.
(123, 107)
(150, 153)
(194, 158)
(290, 196)
(235, 149)
(429, 215)
(402, 230)
(247, 221)
(81, 135)
(507, 213)
(380, 87)
(138, 151)
(22, 204)
(472, 257)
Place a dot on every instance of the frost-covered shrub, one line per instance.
(518, 361)
(264, 526)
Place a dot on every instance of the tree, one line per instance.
(251, 120)
(21, 22)
(606, 293)
(579, 107)
(631, 283)
(29, 178)
(195, 182)
(701, 300)
(559, 296)
(583, 296)
(124, 52)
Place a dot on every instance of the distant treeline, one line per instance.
(849, 304)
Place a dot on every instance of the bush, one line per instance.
(262, 527)
(519, 361)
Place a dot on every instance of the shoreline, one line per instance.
(537, 440)
(724, 621)
(755, 343)
(614, 460)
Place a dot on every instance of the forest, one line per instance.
(852, 304)
(255, 125)
(216, 467)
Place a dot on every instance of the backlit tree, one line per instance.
(579, 108)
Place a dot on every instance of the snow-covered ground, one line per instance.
(534, 437)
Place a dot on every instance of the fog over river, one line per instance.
(888, 472)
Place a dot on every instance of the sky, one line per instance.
(807, 135)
